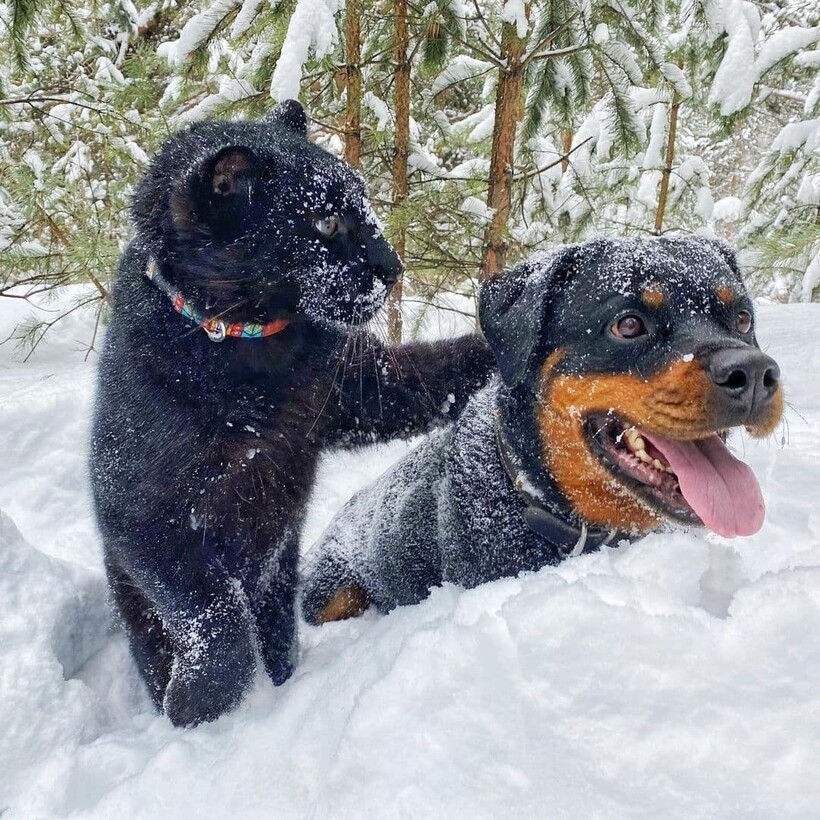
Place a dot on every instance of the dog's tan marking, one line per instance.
(653, 297)
(773, 416)
(675, 403)
(725, 294)
(346, 602)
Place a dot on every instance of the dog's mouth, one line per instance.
(695, 481)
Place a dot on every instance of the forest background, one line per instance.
(485, 129)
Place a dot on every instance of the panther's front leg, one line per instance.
(272, 599)
(397, 392)
(205, 623)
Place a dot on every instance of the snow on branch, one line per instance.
(312, 27)
(514, 12)
(735, 79)
(196, 32)
(783, 44)
(746, 60)
(460, 68)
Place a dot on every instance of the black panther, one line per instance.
(233, 358)
(622, 365)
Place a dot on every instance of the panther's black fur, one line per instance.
(203, 455)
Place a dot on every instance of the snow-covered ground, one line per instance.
(678, 677)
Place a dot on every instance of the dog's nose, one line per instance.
(746, 376)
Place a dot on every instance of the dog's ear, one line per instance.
(727, 252)
(512, 307)
(717, 247)
(290, 114)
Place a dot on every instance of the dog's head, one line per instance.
(639, 356)
(252, 219)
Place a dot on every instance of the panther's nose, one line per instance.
(746, 376)
(388, 265)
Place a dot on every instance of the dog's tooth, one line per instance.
(657, 465)
(639, 443)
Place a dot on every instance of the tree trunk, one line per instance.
(508, 111)
(400, 152)
(663, 196)
(566, 144)
(353, 56)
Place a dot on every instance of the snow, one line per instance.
(655, 149)
(782, 44)
(728, 209)
(243, 21)
(459, 69)
(196, 31)
(380, 109)
(477, 208)
(675, 677)
(808, 59)
(480, 124)
(735, 78)
(748, 58)
(514, 12)
(797, 135)
(230, 90)
(312, 27)
(811, 278)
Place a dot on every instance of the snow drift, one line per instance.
(675, 677)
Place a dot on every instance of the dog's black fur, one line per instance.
(479, 500)
(203, 455)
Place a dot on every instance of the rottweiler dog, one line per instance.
(622, 367)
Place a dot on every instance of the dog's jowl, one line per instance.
(622, 366)
(230, 362)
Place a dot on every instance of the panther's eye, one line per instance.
(743, 321)
(628, 327)
(327, 225)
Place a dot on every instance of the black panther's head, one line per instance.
(254, 222)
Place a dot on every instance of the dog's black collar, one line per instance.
(545, 524)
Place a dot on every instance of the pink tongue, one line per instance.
(722, 490)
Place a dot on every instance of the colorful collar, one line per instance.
(217, 329)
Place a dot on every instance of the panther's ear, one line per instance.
(230, 171)
(290, 114)
(512, 308)
(209, 195)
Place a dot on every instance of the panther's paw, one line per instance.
(202, 691)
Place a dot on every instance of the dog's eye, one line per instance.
(743, 321)
(628, 327)
(327, 225)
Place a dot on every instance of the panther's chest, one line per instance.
(258, 456)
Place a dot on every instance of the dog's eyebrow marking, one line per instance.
(653, 297)
(725, 294)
